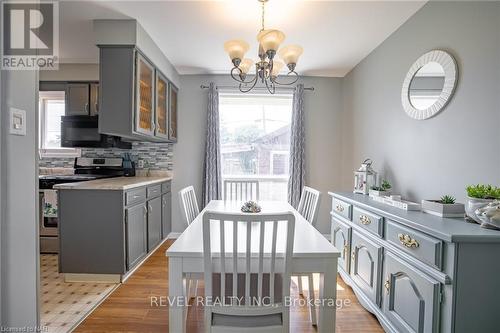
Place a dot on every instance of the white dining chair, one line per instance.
(241, 190)
(308, 208)
(247, 268)
(190, 210)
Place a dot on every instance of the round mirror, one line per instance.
(429, 84)
(426, 86)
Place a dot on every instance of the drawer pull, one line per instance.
(365, 220)
(353, 256)
(407, 241)
(339, 208)
(387, 285)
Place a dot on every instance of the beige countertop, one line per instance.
(118, 183)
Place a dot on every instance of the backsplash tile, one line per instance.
(156, 156)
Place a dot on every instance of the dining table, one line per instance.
(312, 253)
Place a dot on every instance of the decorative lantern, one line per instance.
(365, 177)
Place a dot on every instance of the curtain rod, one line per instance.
(259, 88)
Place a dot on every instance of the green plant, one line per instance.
(447, 199)
(481, 191)
(384, 186)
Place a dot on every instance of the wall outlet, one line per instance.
(140, 164)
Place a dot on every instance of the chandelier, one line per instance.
(267, 68)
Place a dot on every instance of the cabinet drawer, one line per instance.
(426, 248)
(154, 191)
(410, 298)
(166, 187)
(341, 208)
(368, 221)
(341, 239)
(135, 196)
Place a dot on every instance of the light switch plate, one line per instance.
(17, 122)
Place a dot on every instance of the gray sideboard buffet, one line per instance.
(108, 226)
(417, 272)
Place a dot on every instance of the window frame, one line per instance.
(272, 153)
(43, 151)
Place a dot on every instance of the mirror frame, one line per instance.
(449, 65)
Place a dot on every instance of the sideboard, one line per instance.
(417, 272)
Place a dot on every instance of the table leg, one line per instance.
(176, 293)
(328, 297)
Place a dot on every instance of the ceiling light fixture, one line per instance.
(267, 68)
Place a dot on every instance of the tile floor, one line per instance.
(63, 305)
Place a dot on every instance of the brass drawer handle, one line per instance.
(365, 220)
(353, 256)
(407, 241)
(387, 285)
(339, 208)
(346, 251)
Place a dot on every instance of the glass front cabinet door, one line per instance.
(144, 108)
(162, 125)
(172, 133)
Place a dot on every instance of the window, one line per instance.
(255, 140)
(51, 106)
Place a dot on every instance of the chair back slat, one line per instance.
(309, 204)
(189, 204)
(239, 240)
(241, 190)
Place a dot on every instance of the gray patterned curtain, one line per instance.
(212, 179)
(297, 148)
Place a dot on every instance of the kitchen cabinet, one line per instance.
(137, 99)
(410, 299)
(77, 99)
(174, 92)
(82, 98)
(166, 215)
(341, 239)
(154, 222)
(136, 228)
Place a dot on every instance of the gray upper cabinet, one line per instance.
(174, 92)
(136, 234)
(77, 99)
(154, 222)
(410, 299)
(366, 258)
(134, 96)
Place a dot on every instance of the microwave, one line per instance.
(83, 132)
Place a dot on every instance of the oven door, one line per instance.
(80, 131)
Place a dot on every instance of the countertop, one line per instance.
(448, 229)
(118, 183)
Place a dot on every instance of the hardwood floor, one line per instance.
(129, 309)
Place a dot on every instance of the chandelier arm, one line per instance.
(286, 83)
(270, 86)
(237, 78)
(253, 85)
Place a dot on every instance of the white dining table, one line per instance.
(312, 253)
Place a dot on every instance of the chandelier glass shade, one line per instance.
(267, 68)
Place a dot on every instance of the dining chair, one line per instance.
(190, 210)
(241, 190)
(247, 264)
(308, 208)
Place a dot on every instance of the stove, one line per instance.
(85, 169)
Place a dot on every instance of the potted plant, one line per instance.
(480, 195)
(382, 190)
(444, 207)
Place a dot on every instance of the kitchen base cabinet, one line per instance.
(105, 231)
(417, 272)
(154, 222)
(136, 230)
(166, 215)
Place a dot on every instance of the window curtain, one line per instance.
(297, 148)
(212, 179)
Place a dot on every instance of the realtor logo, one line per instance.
(30, 35)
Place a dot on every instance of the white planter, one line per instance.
(437, 208)
(379, 193)
(473, 204)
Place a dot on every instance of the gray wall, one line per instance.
(460, 146)
(19, 228)
(323, 138)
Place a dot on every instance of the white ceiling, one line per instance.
(335, 35)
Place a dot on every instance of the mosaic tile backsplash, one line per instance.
(156, 156)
